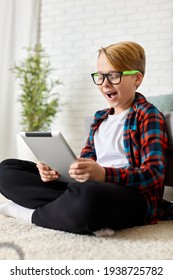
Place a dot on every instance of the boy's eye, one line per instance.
(100, 76)
(114, 75)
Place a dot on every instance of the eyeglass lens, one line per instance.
(113, 78)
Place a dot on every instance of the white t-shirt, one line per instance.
(108, 141)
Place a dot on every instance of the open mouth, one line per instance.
(111, 95)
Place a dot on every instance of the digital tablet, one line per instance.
(52, 149)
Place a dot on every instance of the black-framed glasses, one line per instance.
(113, 77)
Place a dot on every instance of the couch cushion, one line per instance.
(164, 103)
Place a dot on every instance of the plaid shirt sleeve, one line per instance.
(89, 150)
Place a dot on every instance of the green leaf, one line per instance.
(39, 97)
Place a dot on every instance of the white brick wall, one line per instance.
(73, 30)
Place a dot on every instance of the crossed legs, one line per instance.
(76, 207)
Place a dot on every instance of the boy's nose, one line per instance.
(106, 82)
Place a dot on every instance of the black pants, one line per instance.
(74, 207)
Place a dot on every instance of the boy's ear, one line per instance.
(138, 80)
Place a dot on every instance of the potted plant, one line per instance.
(39, 97)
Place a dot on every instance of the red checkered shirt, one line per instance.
(145, 144)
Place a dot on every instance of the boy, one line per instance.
(120, 173)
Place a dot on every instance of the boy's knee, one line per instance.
(9, 162)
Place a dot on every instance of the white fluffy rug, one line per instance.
(19, 240)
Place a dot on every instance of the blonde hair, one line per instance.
(125, 56)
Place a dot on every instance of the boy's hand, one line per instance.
(87, 169)
(46, 173)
